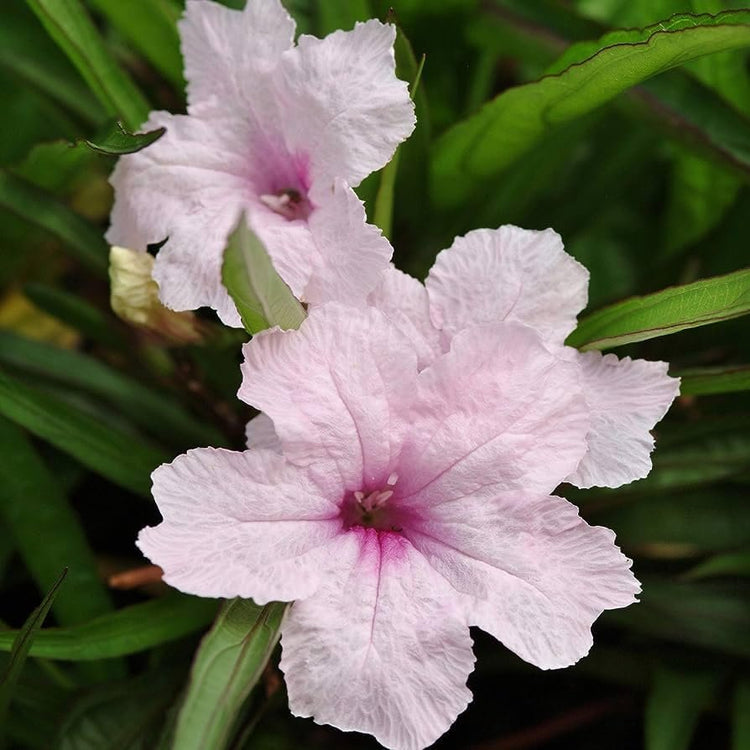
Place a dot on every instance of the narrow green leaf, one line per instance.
(46, 531)
(68, 23)
(669, 311)
(76, 312)
(21, 645)
(478, 149)
(741, 716)
(711, 615)
(104, 449)
(341, 14)
(262, 298)
(126, 631)
(674, 706)
(116, 140)
(84, 242)
(728, 564)
(706, 380)
(151, 410)
(228, 664)
(151, 26)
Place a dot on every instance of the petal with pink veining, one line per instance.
(241, 524)
(342, 103)
(539, 575)
(627, 397)
(384, 648)
(336, 391)
(508, 274)
(499, 411)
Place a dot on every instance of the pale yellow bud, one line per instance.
(135, 298)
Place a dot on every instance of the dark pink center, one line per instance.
(285, 184)
(377, 509)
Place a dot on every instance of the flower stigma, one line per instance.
(289, 203)
(372, 509)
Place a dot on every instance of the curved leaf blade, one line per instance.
(126, 631)
(668, 311)
(228, 664)
(479, 148)
(116, 140)
(708, 380)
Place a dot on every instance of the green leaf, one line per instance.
(675, 309)
(21, 645)
(46, 531)
(706, 380)
(229, 663)
(104, 449)
(77, 313)
(151, 26)
(711, 616)
(674, 706)
(728, 564)
(262, 298)
(341, 14)
(156, 413)
(741, 716)
(478, 149)
(126, 631)
(68, 23)
(84, 242)
(116, 140)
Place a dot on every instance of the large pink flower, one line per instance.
(397, 506)
(278, 131)
(514, 274)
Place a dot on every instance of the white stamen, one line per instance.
(359, 496)
(392, 479)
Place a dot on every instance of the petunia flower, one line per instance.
(526, 276)
(397, 506)
(277, 131)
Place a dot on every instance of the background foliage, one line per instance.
(635, 147)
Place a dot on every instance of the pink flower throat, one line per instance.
(375, 509)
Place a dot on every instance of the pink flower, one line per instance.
(520, 275)
(397, 506)
(277, 131)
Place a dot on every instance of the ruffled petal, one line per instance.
(539, 574)
(240, 524)
(384, 649)
(336, 391)
(342, 103)
(261, 434)
(226, 51)
(627, 397)
(351, 254)
(499, 411)
(404, 301)
(508, 274)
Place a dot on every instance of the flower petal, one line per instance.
(405, 302)
(261, 434)
(227, 50)
(627, 397)
(540, 575)
(240, 524)
(499, 410)
(508, 274)
(342, 103)
(385, 650)
(352, 254)
(335, 391)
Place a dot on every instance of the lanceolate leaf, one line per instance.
(705, 380)
(46, 530)
(104, 449)
(20, 646)
(728, 564)
(40, 208)
(116, 140)
(68, 23)
(675, 704)
(479, 148)
(126, 631)
(669, 311)
(262, 298)
(229, 663)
